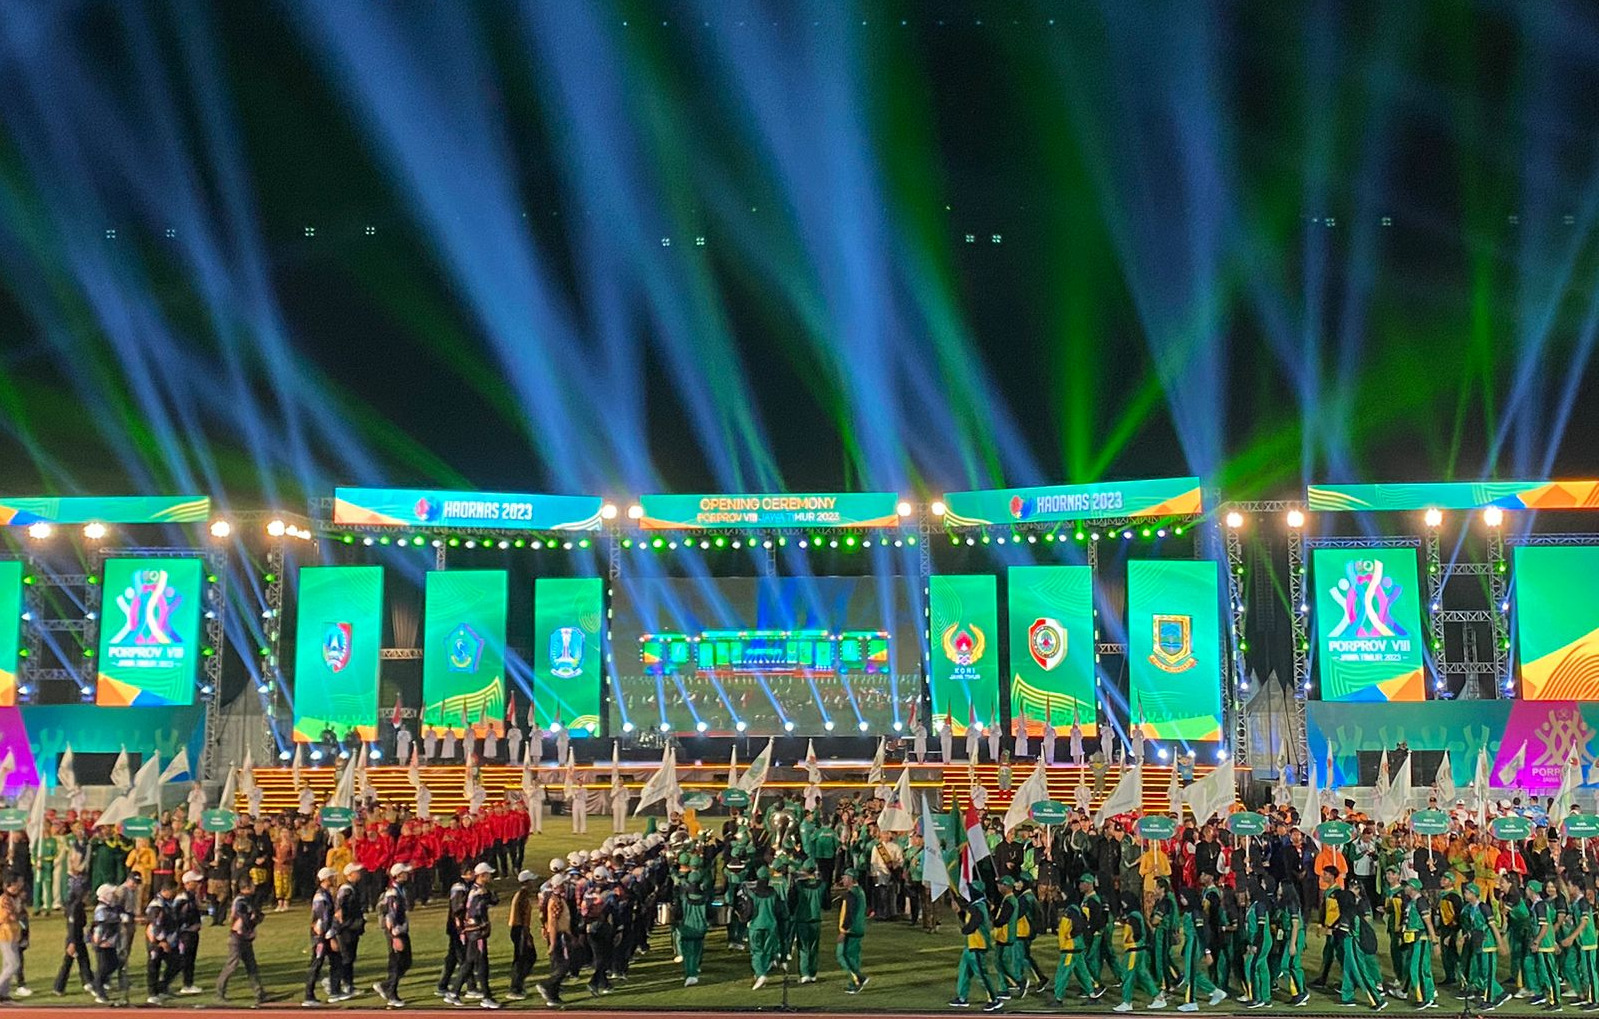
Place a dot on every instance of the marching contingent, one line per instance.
(1491, 899)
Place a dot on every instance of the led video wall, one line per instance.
(820, 654)
(463, 650)
(150, 637)
(338, 640)
(1557, 622)
(1174, 648)
(1368, 624)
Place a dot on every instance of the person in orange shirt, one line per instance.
(1331, 856)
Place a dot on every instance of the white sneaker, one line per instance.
(1123, 1006)
(690, 981)
(22, 992)
(1218, 996)
(473, 995)
(677, 958)
(807, 980)
(190, 989)
(1188, 1006)
(154, 999)
(760, 982)
(1159, 1002)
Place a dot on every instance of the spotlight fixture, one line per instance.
(1296, 519)
(1493, 516)
(938, 508)
(1235, 519)
(635, 512)
(627, 726)
(221, 528)
(608, 511)
(276, 528)
(904, 509)
(1433, 517)
(864, 726)
(741, 725)
(93, 531)
(40, 530)
(828, 725)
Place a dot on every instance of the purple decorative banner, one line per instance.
(1549, 729)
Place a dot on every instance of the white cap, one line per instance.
(527, 875)
(192, 875)
(325, 873)
(601, 874)
(352, 869)
(556, 863)
(482, 868)
(399, 868)
(105, 893)
(557, 880)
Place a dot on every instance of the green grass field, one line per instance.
(910, 971)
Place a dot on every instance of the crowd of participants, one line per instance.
(1189, 921)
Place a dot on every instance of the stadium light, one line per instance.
(904, 509)
(627, 726)
(1433, 517)
(938, 508)
(608, 511)
(1235, 519)
(276, 528)
(221, 528)
(1493, 516)
(1296, 519)
(635, 512)
(40, 531)
(741, 725)
(828, 725)
(94, 531)
(701, 726)
(788, 726)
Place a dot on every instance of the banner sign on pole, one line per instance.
(1454, 495)
(494, 511)
(112, 509)
(778, 510)
(1156, 826)
(1158, 497)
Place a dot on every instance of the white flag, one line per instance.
(1174, 794)
(1020, 724)
(36, 818)
(1033, 790)
(732, 769)
(755, 774)
(294, 765)
(896, 816)
(1214, 794)
(616, 765)
(196, 802)
(813, 770)
(413, 770)
(934, 871)
(247, 772)
(1310, 805)
(1510, 774)
(1570, 779)
(117, 811)
(874, 778)
(147, 782)
(122, 772)
(344, 791)
(177, 768)
(529, 783)
(67, 772)
(1076, 737)
(1384, 778)
(1444, 784)
(1392, 804)
(663, 784)
(226, 800)
(1479, 786)
(1126, 797)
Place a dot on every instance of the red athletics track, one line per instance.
(283, 1010)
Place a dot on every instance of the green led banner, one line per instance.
(10, 629)
(150, 635)
(463, 650)
(1174, 648)
(118, 509)
(1455, 495)
(494, 511)
(337, 650)
(1557, 622)
(964, 677)
(1368, 624)
(567, 651)
(1159, 497)
(782, 509)
(1051, 612)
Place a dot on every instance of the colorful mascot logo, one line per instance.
(426, 510)
(964, 648)
(1365, 600)
(147, 604)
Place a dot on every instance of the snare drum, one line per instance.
(663, 913)
(719, 914)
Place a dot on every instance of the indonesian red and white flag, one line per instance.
(976, 841)
(395, 715)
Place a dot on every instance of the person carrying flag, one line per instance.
(979, 934)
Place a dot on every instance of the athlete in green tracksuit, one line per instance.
(1163, 933)
(1006, 921)
(978, 931)
(1195, 948)
(767, 911)
(1291, 960)
(1136, 974)
(807, 902)
(737, 869)
(1545, 944)
(1073, 956)
(693, 909)
(1480, 948)
(1028, 922)
(1257, 946)
(1419, 937)
(1220, 923)
(1350, 926)
(1096, 918)
(1586, 947)
(1518, 932)
(851, 931)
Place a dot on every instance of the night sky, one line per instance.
(944, 245)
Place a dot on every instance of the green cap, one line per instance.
(682, 859)
(1086, 879)
(808, 867)
(763, 874)
(1413, 883)
(1534, 886)
(1007, 882)
(696, 876)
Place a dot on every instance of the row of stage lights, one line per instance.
(848, 542)
(1079, 534)
(1492, 516)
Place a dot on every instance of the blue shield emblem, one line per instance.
(1174, 643)
(465, 649)
(566, 652)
